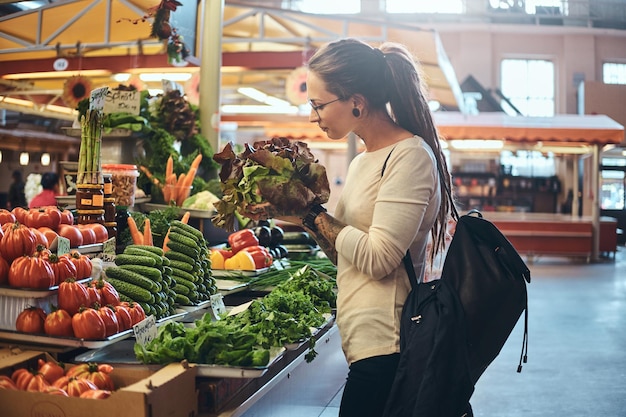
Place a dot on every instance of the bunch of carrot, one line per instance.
(177, 189)
(140, 238)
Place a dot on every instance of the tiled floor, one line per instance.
(576, 360)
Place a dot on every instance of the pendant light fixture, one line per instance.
(24, 157)
(45, 159)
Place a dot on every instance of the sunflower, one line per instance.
(76, 89)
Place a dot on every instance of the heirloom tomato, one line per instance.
(72, 296)
(88, 324)
(89, 236)
(74, 386)
(107, 314)
(51, 370)
(100, 231)
(31, 272)
(94, 296)
(4, 271)
(31, 320)
(49, 234)
(27, 380)
(124, 320)
(49, 216)
(72, 233)
(96, 394)
(52, 390)
(83, 264)
(18, 240)
(98, 374)
(6, 217)
(7, 383)
(20, 214)
(67, 217)
(40, 238)
(108, 293)
(62, 266)
(58, 323)
(136, 311)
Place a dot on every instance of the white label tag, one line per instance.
(217, 305)
(118, 101)
(97, 98)
(108, 250)
(145, 330)
(63, 245)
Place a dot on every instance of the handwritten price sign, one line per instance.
(118, 101)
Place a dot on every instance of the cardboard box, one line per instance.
(141, 392)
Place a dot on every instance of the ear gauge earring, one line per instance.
(356, 112)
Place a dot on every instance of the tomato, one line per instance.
(6, 216)
(54, 391)
(98, 374)
(89, 236)
(4, 271)
(51, 370)
(94, 296)
(49, 234)
(74, 386)
(67, 217)
(88, 324)
(18, 240)
(62, 267)
(31, 272)
(40, 238)
(72, 233)
(108, 293)
(83, 264)
(26, 380)
(48, 216)
(7, 383)
(58, 323)
(72, 296)
(19, 213)
(109, 318)
(31, 320)
(124, 320)
(136, 311)
(96, 394)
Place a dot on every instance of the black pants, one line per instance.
(368, 385)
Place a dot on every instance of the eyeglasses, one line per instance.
(321, 106)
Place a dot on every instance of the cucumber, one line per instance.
(152, 273)
(132, 278)
(181, 289)
(183, 266)
(184, 275)
(154, 249)
(180, 238)
(186, 283)
(183, 300)
(179, 256)
(142, 252)
(190, 251)
(185, 233)
(187, 228)
(135, 292)
(126, 259)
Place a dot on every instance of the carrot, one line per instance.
(151, 177)
(181, 179)
(169, 167)
(196, 162)
(167, 239)
(134, 231)
(147, 233)
(185, 217)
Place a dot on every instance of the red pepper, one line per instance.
(241, 239)
(260, 254)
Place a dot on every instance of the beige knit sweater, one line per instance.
(385, 216)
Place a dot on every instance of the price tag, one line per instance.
(217, 305)
(108, 250)
(145, 330)
(63, 245)
(119, 101)
(97, 98)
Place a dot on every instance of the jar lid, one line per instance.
(119, 167)
(110, 224)
(109, 200)
(90, 186)
(89, 212)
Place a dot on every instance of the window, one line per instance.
(555, 7)
(424, 6)
(613, 73)
(529, 86)
(326, 6)
(612, 190)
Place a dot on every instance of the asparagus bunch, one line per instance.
(89, 158)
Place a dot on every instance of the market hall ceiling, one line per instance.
(261, 47)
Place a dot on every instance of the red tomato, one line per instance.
(88, 324)
(58, 323)
(136, 311)
(26, 380)
(96, 394)
(31, 320)
(19, 213)
(108, 293)
(100, 230)
(74, 386)
(82, 263)
(49, 216)
(51, 370)
(109, 318)
(67, 217)
(98, 374)
(7, 383)
(4, 271)
(62, 266)
(49, 234)
(72, 296)
(124, 319)
(31, 272)
(89, 236)
(72, 233)
(18, 240)
(6, 216)
(54, 391)
(40, 238)
(94, 296)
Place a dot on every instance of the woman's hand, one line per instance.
(265, 211)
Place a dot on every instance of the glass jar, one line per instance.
(111, 229)
(109, 209)
(90, 216)
(124, 180)
(121, 218)
(89, 196)
(108, 185)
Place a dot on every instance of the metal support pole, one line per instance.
(595, 205)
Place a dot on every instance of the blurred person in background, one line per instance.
(16, 197)
(47, 197)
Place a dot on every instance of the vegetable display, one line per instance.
(89, 157)
(277, 175)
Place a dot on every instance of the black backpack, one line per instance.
(454, 327)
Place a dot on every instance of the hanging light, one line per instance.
(0, 156)
(24, 158)
(45, 159)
